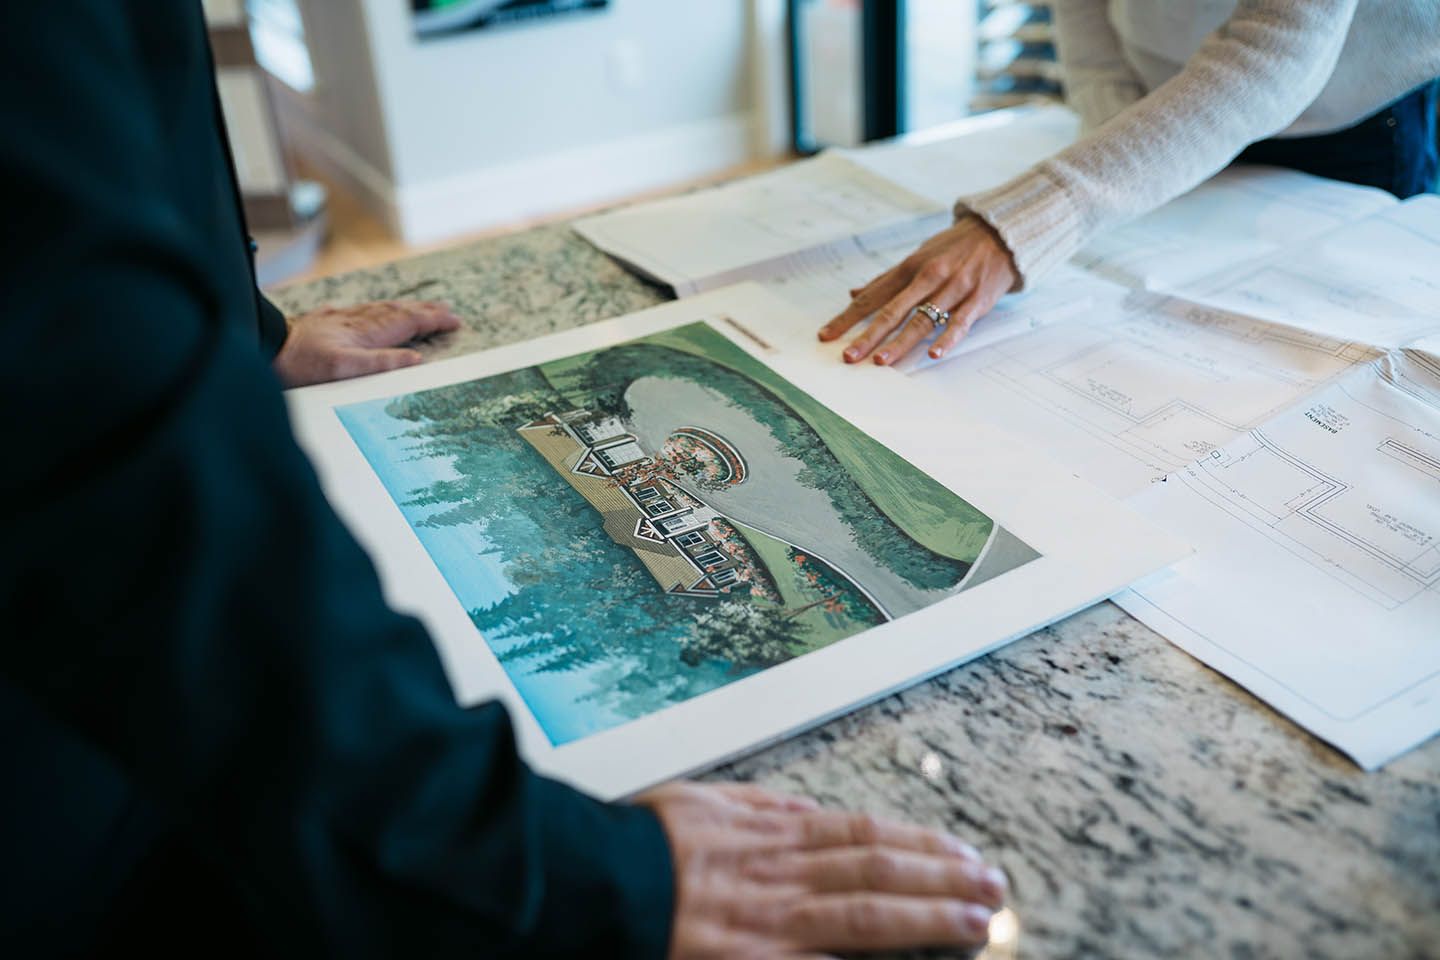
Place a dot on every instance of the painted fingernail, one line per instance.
(977, 919)
(994, 883)
(882, 358)
(959, 848)
(851, 355)
(936, 353)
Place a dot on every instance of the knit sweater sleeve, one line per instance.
(1099, 82)
(1250, 79)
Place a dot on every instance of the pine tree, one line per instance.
(743, 635)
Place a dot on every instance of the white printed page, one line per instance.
(1316, 581)
(1376, 279)
(1136, 390)
(1240, 215)
(715, 237)
(989, 150)
(850, 256)
(819, 286)
(1069, 295)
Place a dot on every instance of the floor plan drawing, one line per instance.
(1377, 546)
(1141, 390)
(1338, 497)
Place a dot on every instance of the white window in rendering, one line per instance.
(723, 578)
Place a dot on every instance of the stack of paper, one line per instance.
(1302, 459)
(1256, 366)
(831, 212)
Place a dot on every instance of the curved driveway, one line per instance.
(772, 499)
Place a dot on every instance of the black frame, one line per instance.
(882, 64)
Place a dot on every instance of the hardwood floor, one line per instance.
(358, 239)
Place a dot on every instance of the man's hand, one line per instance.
(763, 874)
(335, 343)
(964, 270)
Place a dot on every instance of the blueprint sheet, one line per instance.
(1317, 578)
(1240, 215)
(1131, 391)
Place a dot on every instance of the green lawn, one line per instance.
(795, 592)
(559, 374)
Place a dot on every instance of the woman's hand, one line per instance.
(964, 270)
(335, 343)
(760, 874)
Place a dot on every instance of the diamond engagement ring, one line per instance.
(937, 316)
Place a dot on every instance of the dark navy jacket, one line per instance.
(215, 736)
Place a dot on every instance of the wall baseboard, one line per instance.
(505, 193)
(486, 197)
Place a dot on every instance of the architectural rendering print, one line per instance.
(633, 527)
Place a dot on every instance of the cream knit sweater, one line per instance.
(1169, 91)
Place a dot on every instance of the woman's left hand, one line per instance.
(963, 270)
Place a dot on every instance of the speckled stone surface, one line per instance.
(1143, 805)
(506, 289)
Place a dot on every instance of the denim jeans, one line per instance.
(1394, 149)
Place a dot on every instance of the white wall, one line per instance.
(456, 134)
(940, 61)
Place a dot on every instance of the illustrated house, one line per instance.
(668, 528)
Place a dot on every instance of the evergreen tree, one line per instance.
(743, 635)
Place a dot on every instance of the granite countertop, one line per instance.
(1142, 804)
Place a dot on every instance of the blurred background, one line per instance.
(366, 130)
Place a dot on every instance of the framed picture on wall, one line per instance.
(435, 18)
